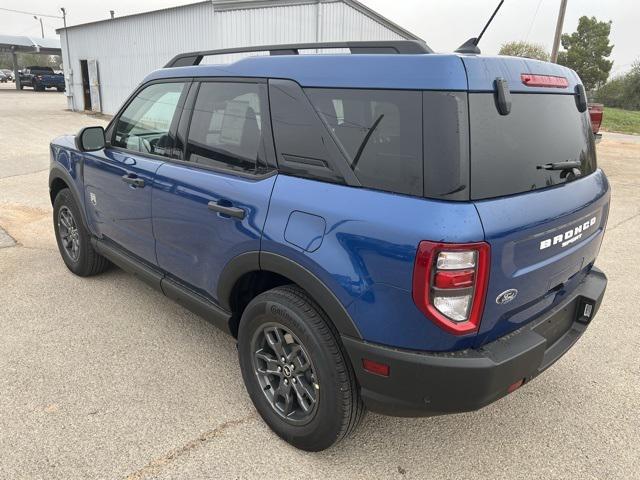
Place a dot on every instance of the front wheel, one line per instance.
(296, 371)
(74, 241)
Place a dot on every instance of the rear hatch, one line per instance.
(544, 226)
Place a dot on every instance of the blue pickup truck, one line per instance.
(41, 78)
(392, 229)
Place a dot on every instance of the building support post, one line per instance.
(16, 75)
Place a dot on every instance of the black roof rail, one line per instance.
(371, 47)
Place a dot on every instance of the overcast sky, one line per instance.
(444, 24)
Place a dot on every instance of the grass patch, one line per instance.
(619, 120)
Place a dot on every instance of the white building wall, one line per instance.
(128, 48)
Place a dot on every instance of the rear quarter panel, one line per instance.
(366, 250)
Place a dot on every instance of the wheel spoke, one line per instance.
(64, 221)
(283, 392)
(270, 364)
(275, 340)
(306, 396)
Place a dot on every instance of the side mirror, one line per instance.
(90, 139)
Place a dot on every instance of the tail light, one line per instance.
(450, 284)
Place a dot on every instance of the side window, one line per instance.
(228, 126)
(381, 133)
(145, 124)
(304, 146)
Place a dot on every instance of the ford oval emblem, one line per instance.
(506, 296)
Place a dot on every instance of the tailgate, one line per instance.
(542, 245)
(541, 199)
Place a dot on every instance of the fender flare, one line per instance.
(58, 173)
(272, 262)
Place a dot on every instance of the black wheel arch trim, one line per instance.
(272, 262)
(58, 173)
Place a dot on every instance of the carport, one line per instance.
(14, 45)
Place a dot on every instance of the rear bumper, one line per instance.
(424, 384)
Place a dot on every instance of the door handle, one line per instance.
(235, 212)
(133, 180)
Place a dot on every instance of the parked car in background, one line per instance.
(8, 73)
(596, 112)
(41, 78)
(410, 232)
(3, 77)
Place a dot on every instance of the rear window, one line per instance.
(507, 150)
(380, 133)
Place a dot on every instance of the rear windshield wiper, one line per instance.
(570, 165)
(569, 170)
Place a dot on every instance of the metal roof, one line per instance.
(226, 5)
(23, 44)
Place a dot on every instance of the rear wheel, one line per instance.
(74, 241)
(295, 370)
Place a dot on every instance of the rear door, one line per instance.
(544, 225)
(119, 179)
(210, 205)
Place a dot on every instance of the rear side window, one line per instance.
(380, 133)
(507, 151)
(228, 126)
(144, 126)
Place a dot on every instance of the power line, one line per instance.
(533, 20)
(29, 13)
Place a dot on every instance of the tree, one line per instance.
(524, 49)
(587, 50)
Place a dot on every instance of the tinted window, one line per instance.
(303, 143)
(507, 150)
(227, 126)
(145, 124)
(380, 131)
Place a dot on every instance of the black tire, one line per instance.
(21, 87)
(84, 260)
(60, 89)
(337, 408)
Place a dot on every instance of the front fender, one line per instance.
(66, 166)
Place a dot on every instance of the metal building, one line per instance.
(108, 58)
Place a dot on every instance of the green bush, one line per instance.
(622, 91)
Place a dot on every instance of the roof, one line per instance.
(30, 45)
(226, 5)
(422, 71)
(436, 71)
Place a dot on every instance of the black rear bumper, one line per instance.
(424, 384)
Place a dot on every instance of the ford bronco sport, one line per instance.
(410, 232)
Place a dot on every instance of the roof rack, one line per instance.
(412, 47)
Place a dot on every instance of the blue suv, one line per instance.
(389, 228)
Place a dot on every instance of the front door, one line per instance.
(212, 206)
(119, 179)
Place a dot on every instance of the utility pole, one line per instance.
(556, 38)
(41, 27)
